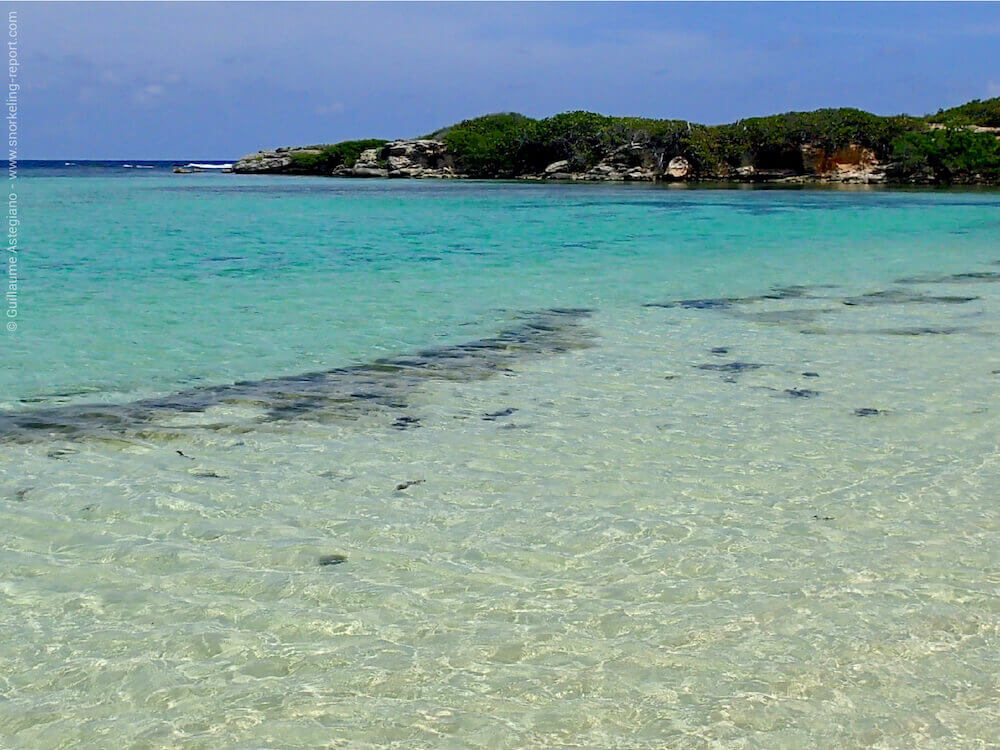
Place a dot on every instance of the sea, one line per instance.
(296, 462)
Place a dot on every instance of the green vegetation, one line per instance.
(330, 157)
(774, 142)
(485, 146)
(977, 112)
(949, 155)
(510, 144)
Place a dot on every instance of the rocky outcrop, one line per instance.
(678, 168)
(275, 161)
(369, 164)
(851, 163)
(403, 158)
(419, 158)
(634, 162)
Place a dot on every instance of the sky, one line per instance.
(219, 80)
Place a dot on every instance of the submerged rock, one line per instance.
(719, 303)
(502, 413)
(801, 393)
(405, 422)
(409, 483)
(902, 296)
(326, 560)
(953, 278)
(383, 384)
(732, 367)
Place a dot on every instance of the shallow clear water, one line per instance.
(614, 536)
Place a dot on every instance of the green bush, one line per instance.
(486, 146)
(977, 112)
(581, 138)
(948, 155)
(331, 157)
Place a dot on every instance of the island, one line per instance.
(960, 145)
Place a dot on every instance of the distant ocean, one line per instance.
(302, 462)
(108, 167)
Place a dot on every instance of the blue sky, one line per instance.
(215, 81)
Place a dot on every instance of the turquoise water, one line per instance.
(611, 466)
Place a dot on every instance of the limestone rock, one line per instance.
(263, 161)
(678, 168)
(368, 171)
(418, 158)
(368, 159)
(640, 174)
(557, 167)
(851, 163)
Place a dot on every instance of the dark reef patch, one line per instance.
(868, 412)
(800, 315)
(406, 422)
(491, 416)
(204, 474)
(901, 296)
(327, 560)
(800, 393)
(720, 303)
(921, 331)
(953, 278)
(720, 350)
(727, 303)
(787, 292)
(341, 393)
(406, 485)
(732, 367)
(903, 331)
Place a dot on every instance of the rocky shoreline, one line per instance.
(956, 146)
(635, 162)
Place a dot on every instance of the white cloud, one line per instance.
(148, 94)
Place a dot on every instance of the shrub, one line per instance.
(331, 157)
(486, 146)
(977, 112)
(948, 155)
